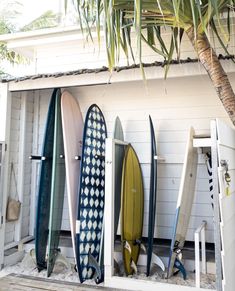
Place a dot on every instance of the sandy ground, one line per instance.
(65, 273)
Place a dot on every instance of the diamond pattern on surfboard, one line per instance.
(91, 206)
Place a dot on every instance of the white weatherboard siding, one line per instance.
(17, 123)
(64, 49)
(173, 111)
(13, 158)
(79, 54)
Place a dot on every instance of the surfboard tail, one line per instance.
(180, 268)
(99, 273)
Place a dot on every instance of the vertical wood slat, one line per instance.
(35, 164)
(21, 164)
(6, 99)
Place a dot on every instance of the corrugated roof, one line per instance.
(8, 78)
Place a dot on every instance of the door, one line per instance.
(223, 160)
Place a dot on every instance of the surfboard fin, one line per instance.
(133, 266)
(142, 246)
(116, 266)
(127, 246)
(178, 265)
(32, 255)
(60, 259)
(157, 261)
(93, 263)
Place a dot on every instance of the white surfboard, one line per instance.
(72, 123)
(184, 205)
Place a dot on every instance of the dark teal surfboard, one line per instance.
(89, 236)
(119, 156)
(57, 188)
(152, 196)
(44, 191)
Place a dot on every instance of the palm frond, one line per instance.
(46, 20)
(146, 18)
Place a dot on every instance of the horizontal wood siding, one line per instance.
(80, 54)
(175, 105)
(16, 123)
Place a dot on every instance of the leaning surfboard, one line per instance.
(57, 188)
(89, 236)
(72, 123)
(119, 156)
(44, 190)
(184, 206)
(151, 257)
(132, 210)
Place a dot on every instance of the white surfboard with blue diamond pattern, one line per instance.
(91, 195)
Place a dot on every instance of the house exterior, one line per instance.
(61, 58)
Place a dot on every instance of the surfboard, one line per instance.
(57, 188)
(72, 123)
(184, 206)
(152, 196)
(119, 156)
(132, 210)
(44, 190)
(152, 258)
(89, 224)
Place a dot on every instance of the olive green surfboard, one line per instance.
(132, 209)
(57, 188)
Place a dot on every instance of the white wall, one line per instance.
(14, 157)
(81, 54)
(175, 105)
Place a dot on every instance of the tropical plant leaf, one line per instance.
(145, 18)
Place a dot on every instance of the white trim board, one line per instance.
(139, 285)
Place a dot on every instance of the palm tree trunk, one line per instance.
(211, 63)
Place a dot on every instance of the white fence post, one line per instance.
(200, 231)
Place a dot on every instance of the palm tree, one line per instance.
(6, 26)
(195, 18)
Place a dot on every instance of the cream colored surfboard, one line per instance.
(184, 205)
(72, 132)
